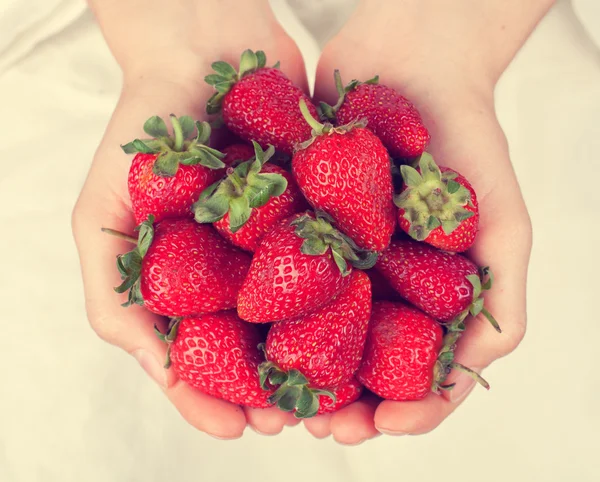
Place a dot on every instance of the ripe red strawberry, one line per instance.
(345, 171)
(389, 115)
(218, 354)
(344, 395)
(325, 347)
(250, 200)
(438, 206)
(235, 153)
(406, 354)
(300, 265)
(182, 268)
(259, 103)
(168, 173)
(445, 286)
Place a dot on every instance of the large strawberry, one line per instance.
(389, 115)
(345, 171)
(325, 347)
(438, 206)
(250, 200)
(300, 265)
(259, 103)
(445, 286)
(181, 268)
(406, 354)
(168, 173)
(218, 354)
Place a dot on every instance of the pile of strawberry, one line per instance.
(279, 260)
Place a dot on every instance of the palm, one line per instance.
(104, 202)
(465, 136)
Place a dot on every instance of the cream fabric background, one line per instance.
(75, 409)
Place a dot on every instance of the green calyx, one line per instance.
(244, 188)
(329, 111)
(168, 337)
(445, 364)
(292, 392)
(319, 129)
(187, 145)
(320, 236)
(226, 76)
(432, 199)
(130, 263)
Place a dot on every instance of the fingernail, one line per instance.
(152, 366)
(224, 438)
(464, 384)
(254, 429)
(394, 433)
(353, 444)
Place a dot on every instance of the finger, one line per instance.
(268, 421)
(412, 418)
(355, 423)
(319, 426)
(208, 414)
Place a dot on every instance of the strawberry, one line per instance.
(438, 206)
(300, 265)
(344, 395)
(445, 286)
(325, 347)
(345, 172)
(218, 354)
(406, 354)
(259, 103)
(168, 173)
(389, 115)
(235, 153)
(250, 200)
(181, 268)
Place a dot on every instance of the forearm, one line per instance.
(158, 35)
(481, 36)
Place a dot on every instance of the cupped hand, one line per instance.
(164, 75)
(457, 106)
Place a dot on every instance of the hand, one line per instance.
(163, 74)
(457, 106)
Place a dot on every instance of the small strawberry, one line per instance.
(218, 354)
(389, 115)
(236, 153)
(168, 173)
(345, 171)
(438, 206)
(344, 395)
(259, 103)
(445, 286)
(181, 268)
(325, 347)
(250, 200)
(406, 354)
(300, 265)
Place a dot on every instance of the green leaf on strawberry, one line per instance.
(244, 188)
(186, 146)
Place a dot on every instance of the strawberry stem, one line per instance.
(236, 180)
(473, 374)
(491, 319)
(178, 131)
(312, 122)
(120, 235)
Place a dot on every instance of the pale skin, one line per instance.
(446, 57)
